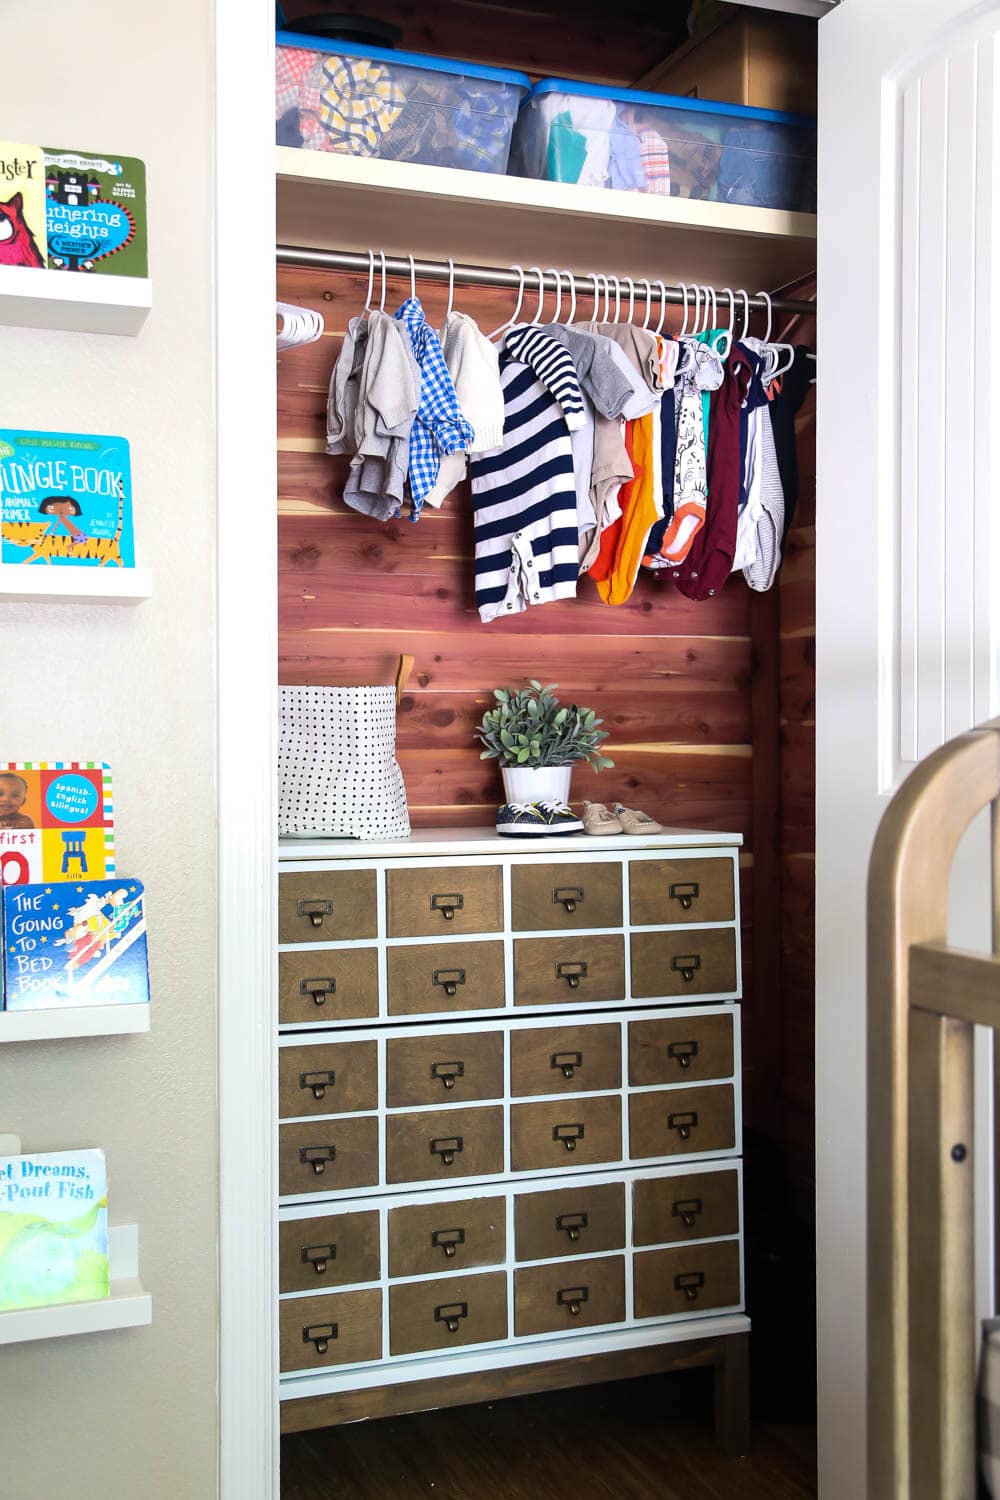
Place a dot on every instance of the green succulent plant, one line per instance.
(529, 728)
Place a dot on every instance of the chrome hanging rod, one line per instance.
(497, 276)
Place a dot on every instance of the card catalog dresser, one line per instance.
(509, 1146)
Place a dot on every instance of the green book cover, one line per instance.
(95, 212)
(53, 1229)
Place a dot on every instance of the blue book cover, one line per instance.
(53, 1229)
(77, 943)
(65, 498)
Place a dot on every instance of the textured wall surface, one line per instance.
(121, 1415)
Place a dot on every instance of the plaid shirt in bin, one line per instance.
(439, 426)
(359, 104)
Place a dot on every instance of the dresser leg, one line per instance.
(732, 1395)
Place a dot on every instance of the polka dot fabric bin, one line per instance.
(337, 771)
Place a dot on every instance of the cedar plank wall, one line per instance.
(671, 678)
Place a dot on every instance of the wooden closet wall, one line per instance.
(691, 693)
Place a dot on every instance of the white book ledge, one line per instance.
(128, 1306)
(72, 1021)
(32, 297)
(39, 582)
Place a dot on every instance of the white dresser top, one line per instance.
(439, 842)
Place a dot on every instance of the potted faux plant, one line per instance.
(537, 742)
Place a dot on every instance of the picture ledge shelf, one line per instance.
(32, 297)
(40, 581)
(72, 1021)
(128, 1306)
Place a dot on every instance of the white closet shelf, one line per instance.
(72, 1021)
(330, 201)
(38, 582)
(128, 1306)
(79, 303)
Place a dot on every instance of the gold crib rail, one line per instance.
(924, 998)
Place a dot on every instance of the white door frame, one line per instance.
(246, 426)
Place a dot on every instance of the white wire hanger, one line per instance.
(509, 323)
(299, 325)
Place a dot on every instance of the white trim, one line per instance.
(246, 416)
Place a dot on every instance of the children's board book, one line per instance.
(95, 212)
(80, 943)
(53, 1229)
(22, 205)
(65, 498)
(56, 822)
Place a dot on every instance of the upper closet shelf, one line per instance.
(332, 201)
(74, 301)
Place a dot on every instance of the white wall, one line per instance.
(127, 1415)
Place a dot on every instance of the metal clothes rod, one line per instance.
(496, 276)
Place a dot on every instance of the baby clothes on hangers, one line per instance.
(794, 387)
(439, 426)
(707, 565)
(387, 404)
(751, 423)
(531, 344)
(474, 365)
(345, 379)
(761, 572)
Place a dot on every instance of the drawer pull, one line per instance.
(686, 964)
(683, 1052)
(448, 1240)
(685, 892)
(568, 896)
(683, 1123)
(315, 911)
(567, 1062)
(568, 1134)
(447, 1147)
(320, 1334)
(573, 1224)
(572, 1298)
(448, 1072)
(451, 1314)
(449, 979)
(318, 1082)
(318, 988)
(317, 1157)
(448, 905)
(572, 973)
(690, 1283)
(317, 1256)
(687, 1210)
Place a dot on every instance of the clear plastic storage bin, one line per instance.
(330, 96)
(657, 143)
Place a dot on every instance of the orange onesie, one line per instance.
(615, 576)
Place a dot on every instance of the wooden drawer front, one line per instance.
(569, 1221)
(569, 1295)
(444, 1069)
(335, 1079)
(699, 1206)
(326, 906)
(448, 1313)
(678, 1122)
(429, 1237)
(680, 890)
(439, 1144)
(331, 1251)
(323, 1156)
(565, 1059)
(687, 1279)
(342, 1329)
(433, 902)
(431, 977)
(678, 1049)
(673, 964)
(332, 984)
(570, 970)
(574, 1132)
(546, 898)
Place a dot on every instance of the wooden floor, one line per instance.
(634, 1440)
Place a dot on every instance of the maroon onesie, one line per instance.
(704, 571)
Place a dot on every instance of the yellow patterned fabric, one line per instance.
(359, 103)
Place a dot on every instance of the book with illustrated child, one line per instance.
(95, 212)
(65, 498)
(53, 1229)
(78, 943)
(56, 821)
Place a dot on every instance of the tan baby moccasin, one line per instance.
(598, 820)
(634, 822)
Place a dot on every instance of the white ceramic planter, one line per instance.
(536, 783)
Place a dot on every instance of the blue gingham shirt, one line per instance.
(439, 426)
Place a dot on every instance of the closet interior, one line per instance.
(709, 702)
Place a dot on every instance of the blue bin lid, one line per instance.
(670, 101)
(403, 59)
